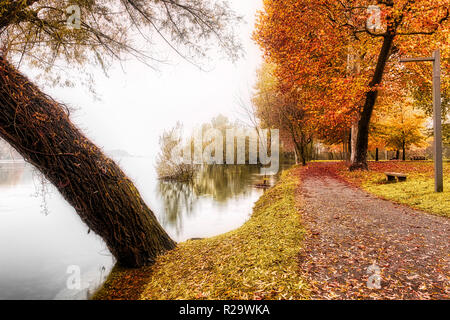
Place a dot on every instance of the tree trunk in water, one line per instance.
(103, 196)
(360, 160)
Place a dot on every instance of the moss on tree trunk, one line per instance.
(103, 196)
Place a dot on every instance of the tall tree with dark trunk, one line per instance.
(359, 160)
(312, 42)
(44, 32)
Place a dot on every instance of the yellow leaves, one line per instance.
(257, 261)
(417, 191)
(399, 123)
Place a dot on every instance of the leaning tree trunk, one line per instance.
(103, 196)
(360, 158)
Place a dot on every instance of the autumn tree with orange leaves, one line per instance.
(399, 126)
(284, 111)
(345, 53)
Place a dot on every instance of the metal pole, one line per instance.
(437, 113)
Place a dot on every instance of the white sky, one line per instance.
(138, 104)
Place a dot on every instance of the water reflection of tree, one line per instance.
(219, 182)
(223, 182)
(177, 197)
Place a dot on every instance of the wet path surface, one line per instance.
(362, 247)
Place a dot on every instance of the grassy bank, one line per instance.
(256, 261)
(417, 191)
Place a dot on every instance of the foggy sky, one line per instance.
(138, 103)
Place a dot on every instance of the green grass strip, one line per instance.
(256, 261)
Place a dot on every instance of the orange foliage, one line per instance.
(324, 49)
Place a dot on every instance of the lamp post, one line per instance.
(437, 150)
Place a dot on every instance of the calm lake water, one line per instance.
(42, 238)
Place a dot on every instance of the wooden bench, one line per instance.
(393, 176)
(418, 158)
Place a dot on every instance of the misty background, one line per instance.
(136, 103)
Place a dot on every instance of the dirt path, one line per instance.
(350, 231)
